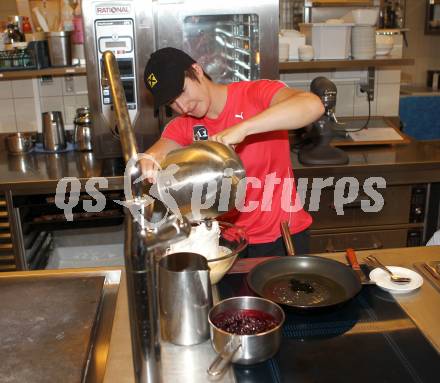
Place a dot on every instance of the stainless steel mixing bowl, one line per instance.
(202, 179)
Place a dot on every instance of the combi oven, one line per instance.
(232, 40)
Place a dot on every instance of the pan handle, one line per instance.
(351, 255)
(220, 363)
(287, 238)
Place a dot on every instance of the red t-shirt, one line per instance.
(265, 156)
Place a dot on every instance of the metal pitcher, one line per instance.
(54, 135)
(185, 298)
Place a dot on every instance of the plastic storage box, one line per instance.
(329, 41)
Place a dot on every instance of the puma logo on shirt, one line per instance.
(240, 116)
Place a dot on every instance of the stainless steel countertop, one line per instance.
(36, 172)
(45, 325)
(189, 364)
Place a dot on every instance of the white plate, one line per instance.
(382, 279)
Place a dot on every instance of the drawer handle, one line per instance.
(377, 245)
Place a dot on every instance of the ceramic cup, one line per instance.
(306, 52)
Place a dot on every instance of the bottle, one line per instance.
(27, 28)
(386, 21)
(381, 19)
(391, 16)
(398, 15)
(67, 17)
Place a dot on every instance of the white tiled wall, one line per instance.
(23, 101)
(350, 102)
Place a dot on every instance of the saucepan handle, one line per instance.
(220, 363)
(287, 238)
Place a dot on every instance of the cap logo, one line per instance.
(152, 81)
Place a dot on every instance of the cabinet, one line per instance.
(400, 222)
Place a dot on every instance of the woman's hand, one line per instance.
(231, 136)
(150, 167)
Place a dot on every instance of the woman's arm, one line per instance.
(289, 109)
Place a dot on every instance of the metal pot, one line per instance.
(18, 143)
(244, 349)
(202, 180)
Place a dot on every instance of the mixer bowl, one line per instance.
(233, 240)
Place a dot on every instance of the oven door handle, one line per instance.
(375, 246)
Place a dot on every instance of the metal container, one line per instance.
(185, 298)
(18, 143)
(59, 48)
(54, 135)
(82, 135)
(244, 349)
(202, 180)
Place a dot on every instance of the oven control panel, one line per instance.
(117, 35)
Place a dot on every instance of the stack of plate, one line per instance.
(363, 42)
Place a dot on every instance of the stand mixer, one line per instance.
(321, 153)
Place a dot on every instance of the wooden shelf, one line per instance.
(291, 66)
(20, 74)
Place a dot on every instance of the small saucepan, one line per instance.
(231, 319)
(18, 143)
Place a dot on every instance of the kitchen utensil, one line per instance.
(202, 180)
(304, 282)
(54, 136)
(41, 19)
(287, 238)
(352, 259)
(18, 143)
(394, 278)
(184, 298)
(82, 134)
(59, 48)
(244, 349)
(382, 279)
(431, 270)
(219, 242)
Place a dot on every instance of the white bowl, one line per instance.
(383, 51)
(384, 39)
(384, 46)
(365, 16)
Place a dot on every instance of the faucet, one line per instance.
(143, 245)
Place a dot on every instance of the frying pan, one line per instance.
(304, 282)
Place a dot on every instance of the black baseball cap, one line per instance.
(164, 74)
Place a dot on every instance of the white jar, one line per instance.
(306, 53)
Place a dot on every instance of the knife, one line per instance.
(431, 270)
(352, 259)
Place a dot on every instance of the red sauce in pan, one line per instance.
(245, 322)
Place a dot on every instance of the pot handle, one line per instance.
(220, 363)
(287, 238)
